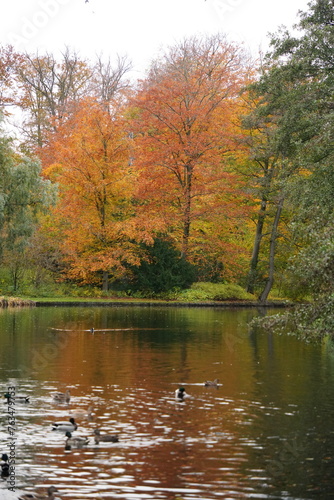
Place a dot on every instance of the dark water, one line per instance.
(266, 432)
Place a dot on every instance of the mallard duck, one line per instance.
(69, 426)
(180, 394)
(214, 383)
(77, 441)
(4, 465)
(32, 496)
(17, 397)
(62, 397)
(105, 437)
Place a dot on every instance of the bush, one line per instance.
(215, 291)
(161, 270)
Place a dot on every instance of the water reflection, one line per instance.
(261, 434)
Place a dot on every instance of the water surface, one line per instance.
(265, 432)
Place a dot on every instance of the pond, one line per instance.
(266, 431)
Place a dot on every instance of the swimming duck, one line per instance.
(17, 397)
(77, 441)
(80, 413)
(180, 394)
(105, 437)
(4, 465)
(37, 496)
(62, 397)
(214, 383)
(69, 426)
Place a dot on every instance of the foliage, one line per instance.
(24, 195)
(215, 291)
(299, 84)
(185, 135)
(93, 221)
(161, 269)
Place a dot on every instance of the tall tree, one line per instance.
(89, 159)
(291, 113)
(185, 130)
(24, 194)
(8, 60)
(48, 90)
(109, 80)
(298, 88)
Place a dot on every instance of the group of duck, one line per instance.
(66, 427)
(69, 426)
(181, 395)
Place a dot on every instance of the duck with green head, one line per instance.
(180, 394)
(69, 426)
(17, 397)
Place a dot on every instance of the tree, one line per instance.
(185, 133)
(161, 268)
(108, 81)
(8, 60)
(50, 88)
(298, 89)
(266, 171)
(89, 159)
(291, 101)
(24, 194)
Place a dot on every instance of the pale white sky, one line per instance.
(139, 28)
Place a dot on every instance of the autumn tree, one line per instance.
(48, 87)
(185, 134)
(89, 159)
(108, 79)
(8, 60)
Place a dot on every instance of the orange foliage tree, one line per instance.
(88, 157)
(185, 130)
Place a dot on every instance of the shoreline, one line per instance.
(156, 303)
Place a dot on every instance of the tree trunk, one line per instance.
(187, 212)
(268, 173)
(105, 281)
(252, 275)
(273, 238)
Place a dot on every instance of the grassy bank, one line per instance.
(199, 294)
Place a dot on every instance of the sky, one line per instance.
(139, 28)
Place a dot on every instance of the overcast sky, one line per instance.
(139, 27)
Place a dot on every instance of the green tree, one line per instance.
(23, 195)
(298, 89)
(162, 268)
(295, 101)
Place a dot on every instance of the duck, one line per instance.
(180, 394)
(105, 437)
(80, 413)
(4, 465)
(37, 496)
(69, 426)
(17, 397)
(62, 397)
(77, 441)
(214, 383)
